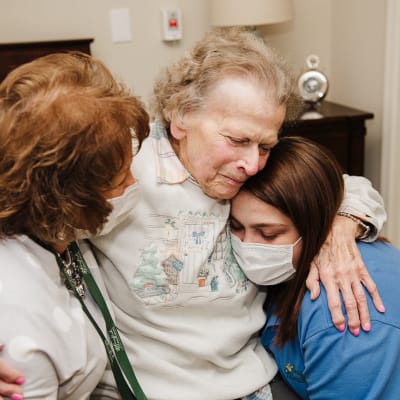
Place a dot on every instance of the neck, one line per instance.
(60, 247)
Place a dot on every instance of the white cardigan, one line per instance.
(46, 334)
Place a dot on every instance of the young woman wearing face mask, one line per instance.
(65, 153)
(279, 222)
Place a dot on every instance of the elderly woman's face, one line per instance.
(229, 139)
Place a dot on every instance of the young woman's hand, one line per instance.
(340, 268)
(10, 381)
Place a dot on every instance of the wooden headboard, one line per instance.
(14, 54)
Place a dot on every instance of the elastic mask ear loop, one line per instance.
(297, 241)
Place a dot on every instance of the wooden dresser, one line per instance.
(14, 54)
(339, 128)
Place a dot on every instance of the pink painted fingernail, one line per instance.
(20, 380)
(342, 328)
(16, 397)
(367, 327)
(356, 331)
(382, 308)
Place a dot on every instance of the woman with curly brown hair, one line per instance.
(66, 129)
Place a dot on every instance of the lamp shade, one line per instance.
(250, 12)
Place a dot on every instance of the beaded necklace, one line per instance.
(72, 268)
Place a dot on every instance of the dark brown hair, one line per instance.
(305, 183)
(66, 129)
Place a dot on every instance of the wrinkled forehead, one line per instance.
(240, 90)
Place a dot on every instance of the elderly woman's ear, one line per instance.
(177, 128)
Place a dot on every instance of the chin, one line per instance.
(221, 193)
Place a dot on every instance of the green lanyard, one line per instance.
(120, 365)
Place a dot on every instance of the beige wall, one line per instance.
(136, 62)
(348, 36)
(308, 33)
(357, 66)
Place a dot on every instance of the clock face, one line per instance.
(313, 86)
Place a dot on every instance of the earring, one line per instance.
(61, 236)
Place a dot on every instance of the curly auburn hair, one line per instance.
(66, 130)
(230, 51)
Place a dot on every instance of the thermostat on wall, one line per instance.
(171, 24)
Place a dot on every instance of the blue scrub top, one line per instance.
(323, 363)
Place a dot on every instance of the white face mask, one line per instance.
(264, 264)
(122, 206)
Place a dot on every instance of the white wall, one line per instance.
(348, 36)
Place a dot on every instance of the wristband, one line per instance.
(365, 227)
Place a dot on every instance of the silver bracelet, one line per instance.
(365, 227)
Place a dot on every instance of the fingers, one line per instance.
(312, 282)
(335, 305)
(356, 310)
(369, 284)
(10, 381)
(351, 286)
(342, 272)
(8, 374)
(362, 307)
(360, 281)
(324, 267)
(11, 390)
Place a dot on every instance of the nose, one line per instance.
(248, 237)
(245, 235)
(239, 234)
(252, 161)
